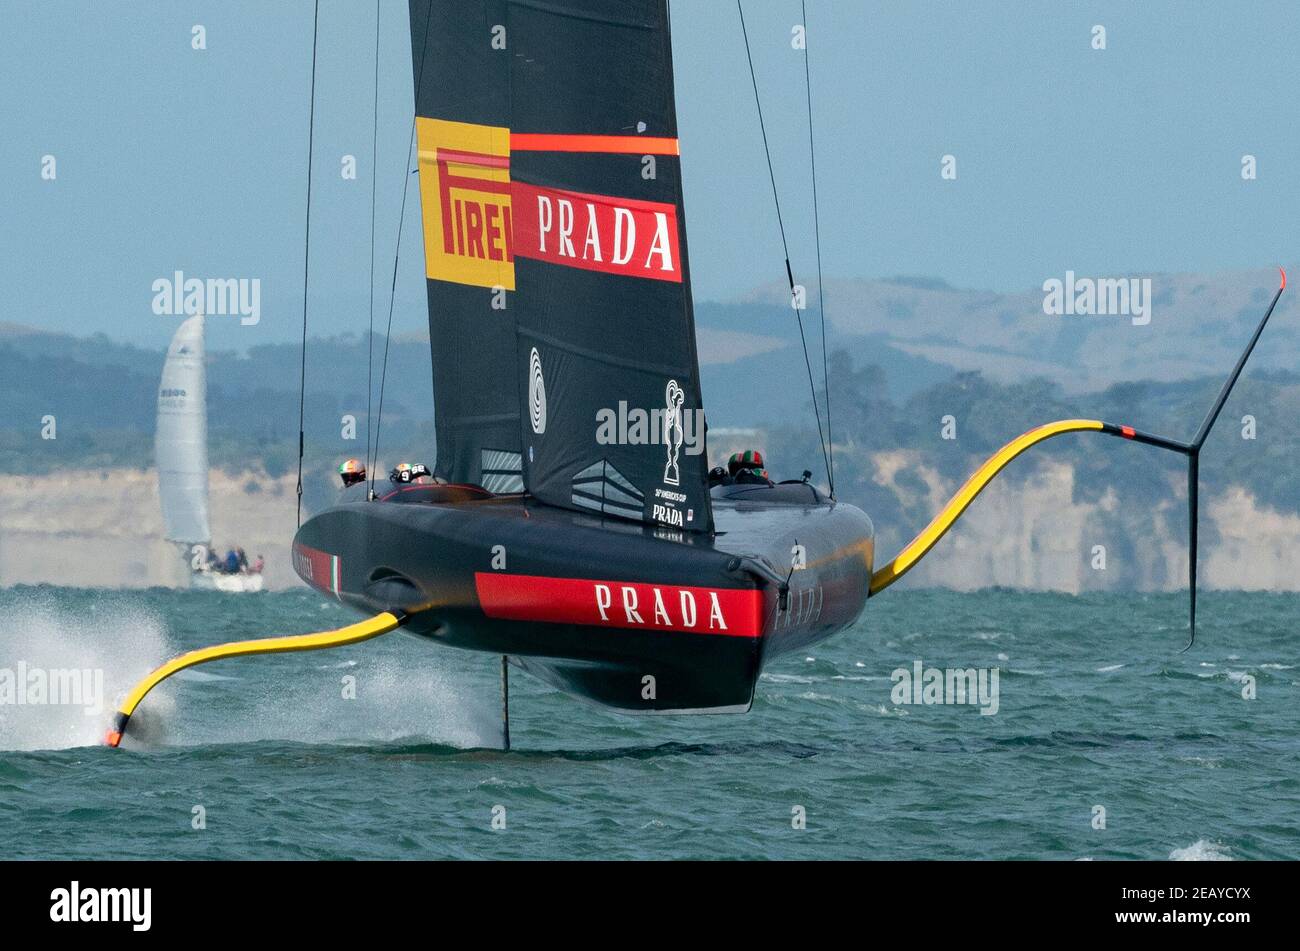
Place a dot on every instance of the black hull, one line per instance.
(641, 619)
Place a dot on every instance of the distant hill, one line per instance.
(919, 339)
(102, 395)
(919, 331)
(1198, 326)
(905, 354)
(892, 460)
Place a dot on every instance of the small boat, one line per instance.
(181, 455)
(208, 579)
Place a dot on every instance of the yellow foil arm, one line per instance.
(922, 543)
(352, 634)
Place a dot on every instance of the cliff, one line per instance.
(106, 530)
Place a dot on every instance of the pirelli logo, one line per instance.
(465, 191)
(477, 220)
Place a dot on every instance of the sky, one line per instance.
(1119, 161)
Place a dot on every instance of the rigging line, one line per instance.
(392, 296)
(817, 238)
(397, 251)
(306, 256)
(374, 178)
(785, 247)
(766, 151)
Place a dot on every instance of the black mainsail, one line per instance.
(560, 316)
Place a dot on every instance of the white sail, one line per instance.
(181, 437)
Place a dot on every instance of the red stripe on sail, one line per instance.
(482, 159)
(733, 612)
(624, 144)
(625, 236)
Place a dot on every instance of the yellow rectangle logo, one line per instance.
(465, 192)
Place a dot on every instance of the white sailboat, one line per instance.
(181, 453)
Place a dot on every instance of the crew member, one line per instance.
(406, 473)
(352, 472)
(746, 468)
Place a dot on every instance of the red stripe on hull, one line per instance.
(315, 567)
(730, 612)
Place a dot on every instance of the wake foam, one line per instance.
(397, 698)
(404, 691)
(1201, 851)
(107, 648)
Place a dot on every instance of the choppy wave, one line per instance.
(1100, 709)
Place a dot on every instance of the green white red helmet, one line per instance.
(352, 471)
(749, 459)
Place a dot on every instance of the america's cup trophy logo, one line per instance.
(673, 434)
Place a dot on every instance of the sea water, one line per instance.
(1104, 741)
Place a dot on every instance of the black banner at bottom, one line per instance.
(332, 900)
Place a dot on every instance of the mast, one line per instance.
(560, 313)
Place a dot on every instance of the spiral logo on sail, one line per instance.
(536, 393)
